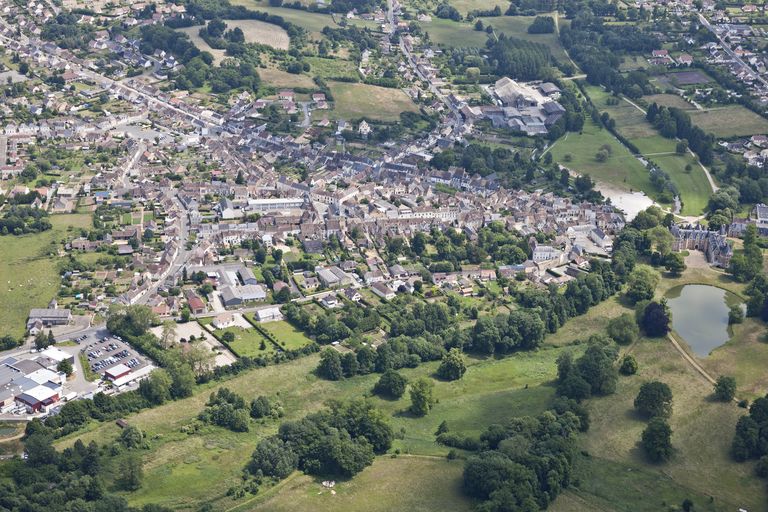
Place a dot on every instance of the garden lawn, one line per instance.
(29, 278)
(354, 101)
(730, 121)
(288, 336)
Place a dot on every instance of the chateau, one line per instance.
(712, 243)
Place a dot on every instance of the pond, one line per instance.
(700, 315)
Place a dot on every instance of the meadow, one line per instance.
(354, 101)
(730, 121)
(260, 32)
(669, 100)
(332, 68)
(282, 79)
(311, 21)
(454, 33)
(29, 276)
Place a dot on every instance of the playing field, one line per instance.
(730, 121)
(353, 101)
(29, 277)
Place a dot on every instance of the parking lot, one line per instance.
(108, 352)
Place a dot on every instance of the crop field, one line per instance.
(353, 101)
(260, 32)
(29, 277)
(730, 121)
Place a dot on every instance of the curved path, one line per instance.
(691, 360)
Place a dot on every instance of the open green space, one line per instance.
(332, 68)
(465, 6)
(454, 33)
(730, 121)
(282, 79)
(29, 276)
(408, 482)
(248, 342)
(288, 336)
(621, 169)
(669, 100)
(517, 26)
(311, 21)
(353, 101)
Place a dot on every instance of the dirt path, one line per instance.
(691, 360)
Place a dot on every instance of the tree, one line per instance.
(65, 367)
(654, 400)
(655, 320)
(623, 329)
(131, 437)
(157, 388)
(656, 440)
(41, 341)
(736, 314)
(628, 365)
(168, 336)
(641, 284)
(391, 384)
(422, 398)
(131, 473)
(452, 366)
(261, 407)
(182, 380)
(228, 337)
(330, 365)
(274, 458)
(674, 263)
(725, 388)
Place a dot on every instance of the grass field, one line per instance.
(287, 335)
(194, 37)
(692, 185)
(311, 21)
(332, 68)
(621, 169)
(669, 100)
(278, 79)
(730, 121)
(29, 278)
(409, 483)
(465, 6)
(247, 342)
(454, 33)
(182, 469)
(260, 32)
(352, 101)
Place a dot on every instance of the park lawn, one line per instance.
(730, 121)
(354, 101)
(453, 33)
(702, 434)
(182, 469)
(622, 169)
(517, 26)
(332, 68)
(288, 336)
(281, 79)
(402, 483)
(29, 278)
(670, 100)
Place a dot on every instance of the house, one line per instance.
(223, 321)
(383, 291)
(269, 314)
(330, 302)
(353, 295)
(196, 304)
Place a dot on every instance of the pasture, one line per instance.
(454, 33)
(312, 22)
(281, 79)
(354, 101)
(332, 68)
(730, 121)
(29, 277)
